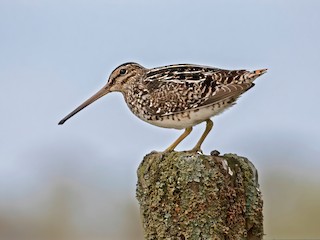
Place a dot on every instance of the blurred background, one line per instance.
(77, 181)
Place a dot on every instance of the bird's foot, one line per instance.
(195, 150)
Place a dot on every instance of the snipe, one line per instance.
(176, 96)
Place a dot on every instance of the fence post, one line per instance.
(184, 195)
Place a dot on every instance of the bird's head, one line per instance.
(123, 77)
(119, 81)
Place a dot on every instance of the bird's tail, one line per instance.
(251, 76)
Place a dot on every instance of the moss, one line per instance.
(185, 195)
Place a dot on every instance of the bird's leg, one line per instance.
(186, 132)
(197, 147)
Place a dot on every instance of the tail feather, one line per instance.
(251, 76)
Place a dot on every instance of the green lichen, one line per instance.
(185, 195)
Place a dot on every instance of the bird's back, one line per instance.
(174, 94)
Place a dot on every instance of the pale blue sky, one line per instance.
(55, 54)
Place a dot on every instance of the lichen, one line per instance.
(185, 195)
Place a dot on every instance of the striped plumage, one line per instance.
(176, 96)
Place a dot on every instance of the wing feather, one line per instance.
(179, 88)
(227, 91)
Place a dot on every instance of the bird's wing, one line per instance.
(188, 73)
(183, 87)
(175, 97)
(226, 92)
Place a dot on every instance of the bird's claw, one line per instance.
(195, 150)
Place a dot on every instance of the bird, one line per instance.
(177, 96)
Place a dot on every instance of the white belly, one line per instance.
(187, 119)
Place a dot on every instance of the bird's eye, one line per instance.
(123, 71)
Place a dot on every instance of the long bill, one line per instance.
(95, 97)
